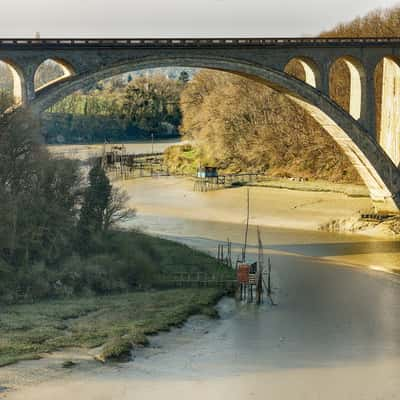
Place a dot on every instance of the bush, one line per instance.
(123, 261)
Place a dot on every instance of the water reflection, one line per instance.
(347, 249)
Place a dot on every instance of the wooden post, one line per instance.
(229, 255)
(269, 290)
(259, 290)
(247, 225)
(260, 268)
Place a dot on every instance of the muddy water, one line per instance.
(334, 333)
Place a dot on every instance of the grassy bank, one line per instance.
(119, 322)
(185, 159)
(349, 189)
(182, 159)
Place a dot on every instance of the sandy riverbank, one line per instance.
(275, 207)
(291, 220)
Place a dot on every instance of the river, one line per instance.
(334, 333)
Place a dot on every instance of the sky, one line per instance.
(178, 18)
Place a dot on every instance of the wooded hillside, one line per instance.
(239, 125)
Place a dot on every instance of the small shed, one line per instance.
(243, 271)
(207, 172)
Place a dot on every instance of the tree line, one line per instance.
(143, 106)
(150, 103)
(139, 105)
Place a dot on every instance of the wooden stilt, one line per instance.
(269, 289)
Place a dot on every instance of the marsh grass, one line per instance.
(117, 322)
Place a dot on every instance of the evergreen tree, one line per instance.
(96, 201)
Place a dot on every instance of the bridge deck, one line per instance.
(195, 42)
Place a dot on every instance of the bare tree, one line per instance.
(117, 211)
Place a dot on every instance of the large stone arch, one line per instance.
(377, 170)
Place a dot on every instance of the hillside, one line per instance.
(239, 125)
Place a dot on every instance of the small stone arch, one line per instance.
(18, 82)
(304, 69)
(387, 97)
(56, 69)
(347, 81)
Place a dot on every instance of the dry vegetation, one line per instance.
(238, 124)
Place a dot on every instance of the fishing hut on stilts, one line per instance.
(254, 279)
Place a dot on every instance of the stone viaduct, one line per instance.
(376, 157)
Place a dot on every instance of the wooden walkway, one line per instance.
(129, 166)
(225, 181)
(198, 279)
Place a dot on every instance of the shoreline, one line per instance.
(60, 363)
(349, 189)
(333, 260)
(283, 204)
(171, 202)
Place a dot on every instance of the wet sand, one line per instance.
(328, 385)
(281, 208)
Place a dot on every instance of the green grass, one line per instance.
(121, 261)
(118, 322)
(182, 159)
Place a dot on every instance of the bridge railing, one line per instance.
(177, 42)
